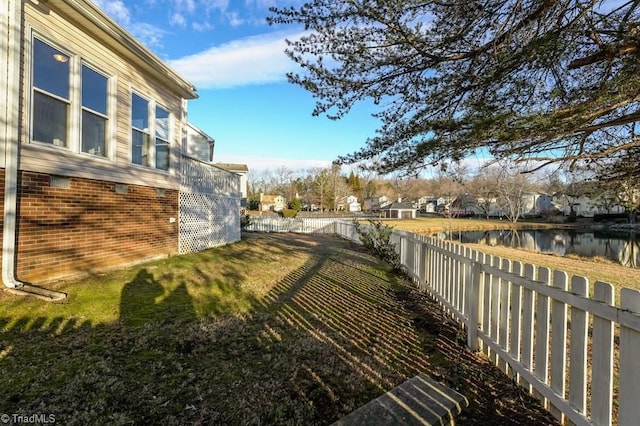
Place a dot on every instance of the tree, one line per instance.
(339, 187)
(451, 180)
(557, 81)
(513, 186)
(295, 204)
(255, 185)
(320, 186)
(485, 187)
(625, 190)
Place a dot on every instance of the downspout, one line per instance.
(10, 46)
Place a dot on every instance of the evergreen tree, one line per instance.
(556, 81)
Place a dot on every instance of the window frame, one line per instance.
(150, 133)
(145, 132)
(34, 91)
(75, 107)
(158, 137)
(106, 116)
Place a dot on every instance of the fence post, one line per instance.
(602, 376)
(629, 362)
(473, 300)
(578, 345)
(426, 266)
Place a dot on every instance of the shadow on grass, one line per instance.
(328, 336)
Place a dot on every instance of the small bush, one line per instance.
(377, 238)
(245, 221)
(288, 213)
(296, 204)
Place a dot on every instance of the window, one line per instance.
(94, 112)
(140, 130)
(162, 139)
(51, 101)
(70, 102)
(146, 151)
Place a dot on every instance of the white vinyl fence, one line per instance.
(543, 328)
(302, 225)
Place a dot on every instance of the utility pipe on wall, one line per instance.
(10, 46)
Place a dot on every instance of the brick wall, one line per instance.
(88, 226)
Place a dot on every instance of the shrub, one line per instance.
(296, 204)
(245, 221)
(377, 238)
(288, 213)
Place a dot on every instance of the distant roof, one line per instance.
(233, 167)
(404, 205)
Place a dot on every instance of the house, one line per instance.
(376, 203)
(585, 206)
(349, 203)
(427, 203)
(275, 203)
(241, 170)
(463, 205)
(100, 165)
(536, 203)
(198, 144)
(400, 210)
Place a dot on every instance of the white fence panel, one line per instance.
(519, 315)
(302, 225)
(629, 362)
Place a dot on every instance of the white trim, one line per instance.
(129, 45)
(12, 20)
(109, 116)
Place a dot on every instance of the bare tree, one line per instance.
(513, 186)
(484, 186)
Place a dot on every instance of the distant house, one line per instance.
(198, 144)
(463, 205)
(400, 210)
(349, 203)
(376, 203)
(536, 203)
(584, 205)
(275, 203)
(242, 170)
(427, 203)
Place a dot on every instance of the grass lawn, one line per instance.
(275, 329)
(598, 269)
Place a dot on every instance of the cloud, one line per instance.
(177, 19)
(201, 26)
(148, 34)
(116, 9)
(185, 6)
(234, 19)
(252, 60)
(258, 164)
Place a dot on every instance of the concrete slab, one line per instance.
(418, 401)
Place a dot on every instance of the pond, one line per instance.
(619, 246)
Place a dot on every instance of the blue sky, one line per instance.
(236, 60)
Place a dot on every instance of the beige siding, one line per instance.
(197, 144)
(127, 77)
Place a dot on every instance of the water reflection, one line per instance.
(622, 247)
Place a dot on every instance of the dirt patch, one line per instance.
(494, 398)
